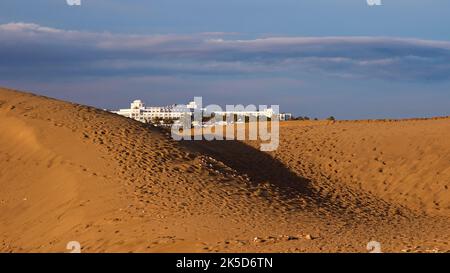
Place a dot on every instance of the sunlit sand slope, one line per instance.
(73, 173)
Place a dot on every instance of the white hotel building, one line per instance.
(140, 112)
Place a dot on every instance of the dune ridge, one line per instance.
(75, 173)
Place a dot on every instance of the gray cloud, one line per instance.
(30, 50)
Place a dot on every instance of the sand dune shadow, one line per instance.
(260, 167)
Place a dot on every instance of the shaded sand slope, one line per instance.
(74, 173)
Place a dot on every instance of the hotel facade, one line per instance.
(138, 111)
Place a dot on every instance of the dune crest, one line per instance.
(74, 173)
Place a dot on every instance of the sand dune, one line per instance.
(74, 173)
(405, 162)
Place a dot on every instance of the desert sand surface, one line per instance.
(74, 173)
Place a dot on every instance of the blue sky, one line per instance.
(313, 57)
